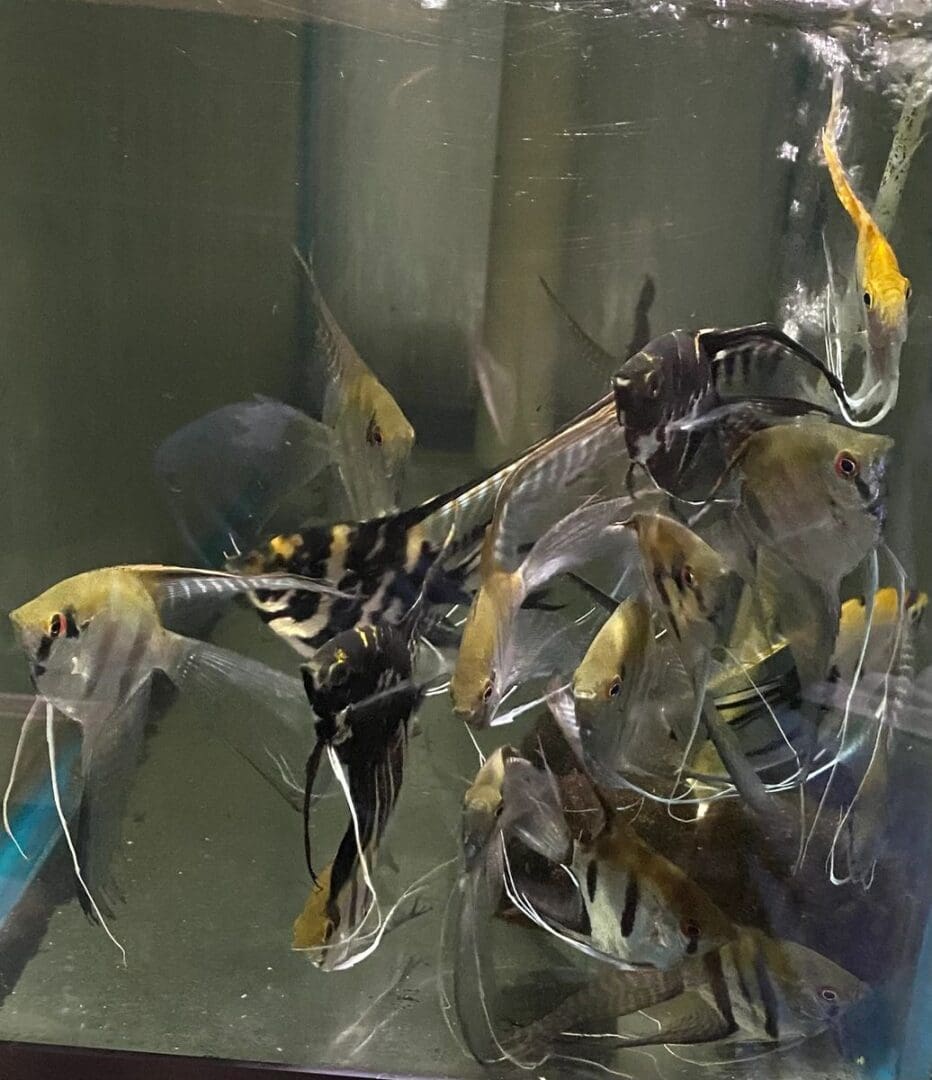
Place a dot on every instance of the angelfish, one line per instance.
(755, 989)
(885, 292)
(628, 905)
(363, 689)
(698, 595)
(489, 663)
(94, 643)
(800, 483)
(372, 436)
(683, 375)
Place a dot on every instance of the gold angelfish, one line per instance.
(373, 437)
(885, 292)
(492, 657)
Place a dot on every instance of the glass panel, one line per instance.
(162, 165)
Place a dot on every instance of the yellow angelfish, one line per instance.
(884, 290)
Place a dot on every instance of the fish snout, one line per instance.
(28, 636)
(877, 486)
(584, 692)
(475, 714)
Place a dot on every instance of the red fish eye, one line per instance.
(846, 465)
(829, 994)
(57, 625)
(689, 578)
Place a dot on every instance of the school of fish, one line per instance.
(684, 593)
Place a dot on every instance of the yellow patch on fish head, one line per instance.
(475, 686)
(68, 608)
(275, 554)
(611, 662)
(284, 547)
(885, 292)
(68, 634)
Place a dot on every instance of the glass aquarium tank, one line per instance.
(466, 472)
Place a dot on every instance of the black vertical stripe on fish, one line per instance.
(313, 764)
(766, 341)
(629, 912)
(592, 878)
(660, 583)
(42, 653)
(700, 600)
(863, 489)
(768, 996)
(746, 358)
(713, 967)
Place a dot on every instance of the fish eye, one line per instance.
(338, 674)
(828, 994)
(57, 625)
(847, 465)
(691, 931)
(867, 298)
(652, 385)
(614, 688)
(909, 291)
(374, 433)
(689, 578)
(487, 691)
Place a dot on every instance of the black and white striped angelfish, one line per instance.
(685, 374)
(363, 688)
(757, 991)
(625, 903)
(379, 566)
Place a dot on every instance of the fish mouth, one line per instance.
(477, 719)
(876, 506)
